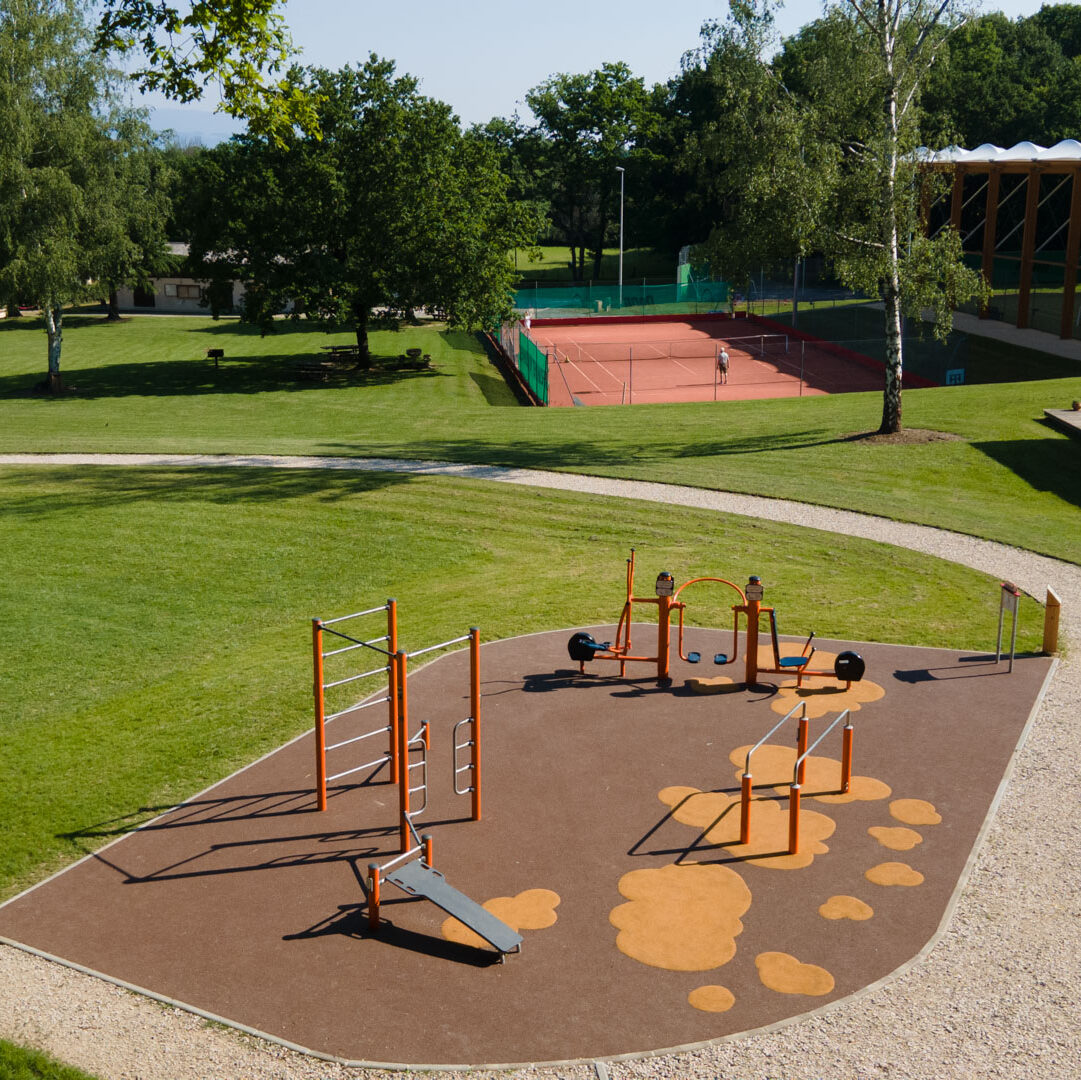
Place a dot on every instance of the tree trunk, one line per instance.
(891, 396)
(113, 314)
(364, 352)
(54, 317)
(891, 293)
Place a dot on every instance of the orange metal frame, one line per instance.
(319, 693)
(401, 743)
(750, 607)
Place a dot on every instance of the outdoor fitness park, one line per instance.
(677, 834)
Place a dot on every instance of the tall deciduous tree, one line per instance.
(391, 210)
(73, 223)
(588, 124)
(242, 46)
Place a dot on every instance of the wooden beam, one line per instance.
(990, 230)
(958, 199)
(1073, 252)
(1028, 245)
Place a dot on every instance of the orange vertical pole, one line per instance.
(474, 709)
(745, 809)
(320, 715)
(630, 605)
(793, 820)
(403, 753)
(373, 896)
(664, 635)
(753, 609)
(426, 839)
(846, 758)
(392, 686)
(750, 670)
(801, 747)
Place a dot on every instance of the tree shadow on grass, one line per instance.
(274, 373)
(1052, 464)
(583, 453)
(31, 493)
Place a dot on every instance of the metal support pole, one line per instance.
(373, 896)
(846, 758)
(320, 715)
(746, 784)
(474, 708)
(622, 174)
(392, 686)
(403, 753)
(793, 819)
(801, 748)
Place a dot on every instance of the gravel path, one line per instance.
(995, 997)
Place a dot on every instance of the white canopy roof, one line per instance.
(1066, 150)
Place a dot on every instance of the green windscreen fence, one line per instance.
(595, 298)
(533, 367)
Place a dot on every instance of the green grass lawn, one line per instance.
(554, 266)
(17, 1063)
(144, 385)
(158, 620)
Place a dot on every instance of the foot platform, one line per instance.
(418, 879)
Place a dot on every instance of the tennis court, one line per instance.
(616, 362)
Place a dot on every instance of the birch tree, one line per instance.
(878, 242)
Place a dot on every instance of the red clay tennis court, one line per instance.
(622, 362)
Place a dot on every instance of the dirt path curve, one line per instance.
(996, 997)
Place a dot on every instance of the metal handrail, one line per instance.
(747, 764)
(360, 645)
(354, 678)
(357, 641)
(443, 645)
(471, 766)
(357, 738)
(355, 615)
(356, 708)
(799, 760)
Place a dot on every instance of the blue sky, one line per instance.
(482, 57)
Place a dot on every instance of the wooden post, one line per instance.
(1051, 613)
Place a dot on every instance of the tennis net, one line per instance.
(708, 349)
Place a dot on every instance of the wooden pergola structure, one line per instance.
(1018, 213)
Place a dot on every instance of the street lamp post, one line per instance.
(619, 169)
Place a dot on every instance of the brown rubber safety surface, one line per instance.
(248, 904)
